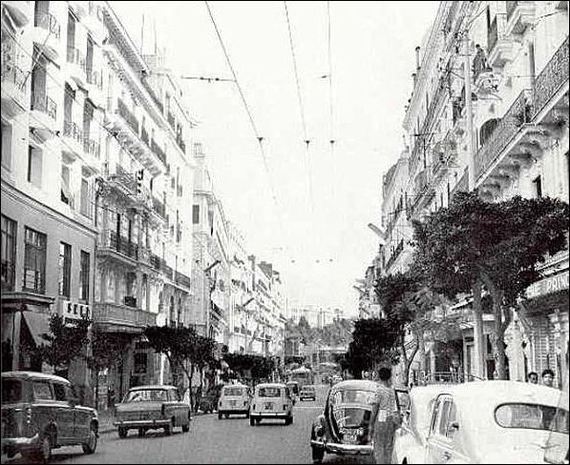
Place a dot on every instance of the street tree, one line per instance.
(474, 244)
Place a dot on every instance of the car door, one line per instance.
(64, 412)
(443, 445)
(83, 414)
(178, 406)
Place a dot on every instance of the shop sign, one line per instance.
(548, 285)
(76, 311)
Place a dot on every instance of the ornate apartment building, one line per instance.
(96, 183)
(489, 111)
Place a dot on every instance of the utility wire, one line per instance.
(301, 110)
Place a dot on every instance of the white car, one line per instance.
(483, 422)
(272, 401)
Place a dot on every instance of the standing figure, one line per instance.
(387, 417)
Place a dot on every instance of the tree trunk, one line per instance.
(407, 361)
(479, 370)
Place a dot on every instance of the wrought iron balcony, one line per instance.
(551, 79)
(95, 78)
(71, 130)
(125, 180)
(91, 147)
(126, 114)
(167, 270)
(45, 104)
(515, 117)
(75, 57)
(122, 245)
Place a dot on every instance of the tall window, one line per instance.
(195, 214)
(6, 146)
(35, 166)
(85, 200)
(538, 186)
(35, 261)
(84, 276)
(64, 269)
(8, 248)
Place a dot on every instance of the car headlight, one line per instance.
(360, 432)
(319, 430)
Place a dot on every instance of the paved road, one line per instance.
(211, 441)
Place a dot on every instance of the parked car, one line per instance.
(346, 425)
(152, 407)
(308, 392)
(271, 400)
(482, 422)
(41, 412)
(234, 400)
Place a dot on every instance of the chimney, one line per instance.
(418, 58)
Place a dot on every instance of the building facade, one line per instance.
(489, 111)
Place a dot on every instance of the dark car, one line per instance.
(308, 392)
(41, 412)
(346, 426)
(152, 407)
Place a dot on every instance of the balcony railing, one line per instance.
(182, 279)
(75, 57)
(95, 78)
(167, 270)
(156, 261)
(45, 104)
(48, 22)
(157, 151)
(125, 179)
(126, 114)
(158, 207)
(14, 75)
(91, 147)
(516, 116)
(71, 129)
(551, 79)
(111, 313)
(121, 245)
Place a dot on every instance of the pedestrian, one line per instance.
(387, 417)
(548, 377)
(532, 377)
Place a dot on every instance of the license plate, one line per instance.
(232, 403)
(268, 405)
(350, 437)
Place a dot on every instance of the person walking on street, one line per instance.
(387, 417)
(548, 377)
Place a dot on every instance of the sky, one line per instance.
(308, 211)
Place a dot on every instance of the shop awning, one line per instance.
(38, 324)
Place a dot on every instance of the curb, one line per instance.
(111, 429)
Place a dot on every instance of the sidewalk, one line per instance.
(107, 417)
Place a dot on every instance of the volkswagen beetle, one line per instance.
(346, 426)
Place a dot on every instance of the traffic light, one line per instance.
(140, 177)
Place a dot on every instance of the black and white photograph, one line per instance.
(285, 232)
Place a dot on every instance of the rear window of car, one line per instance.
(308, 388)
(269, 392)
(11, 390)
(233, 392)
(353, 396)
(532, 416)
(146, 395)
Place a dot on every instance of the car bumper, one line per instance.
(269, 415)
(344, 449)
(142, 423)
(17, 444)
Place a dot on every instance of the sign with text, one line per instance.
(548, 285)
(76, 311)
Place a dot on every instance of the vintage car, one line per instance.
(234, 400)
(271, 400)
(482, 422)
(346, 426)
(152, 407)
(308, 392)
(41, 412)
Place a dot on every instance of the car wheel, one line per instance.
(219, 415)
(227, 415)
(247, 414)
(168, 429)
(43, 453)
(318, 454)
(123, 432)
(141, 432)
(91, 444)
(186, 428)
(257, 421)
(251, 421)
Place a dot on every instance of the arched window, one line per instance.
(486, 130)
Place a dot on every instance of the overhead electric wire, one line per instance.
(306, 139)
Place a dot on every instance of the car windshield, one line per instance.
(532, 416)
(353, 397)
(230, 392)
(269, 392)
(142, 395)
(11, 390)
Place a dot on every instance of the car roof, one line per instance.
(152, 386)
(277, 385)
(34, 375)
(356, 384)
(235, 386)
(310, 386)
